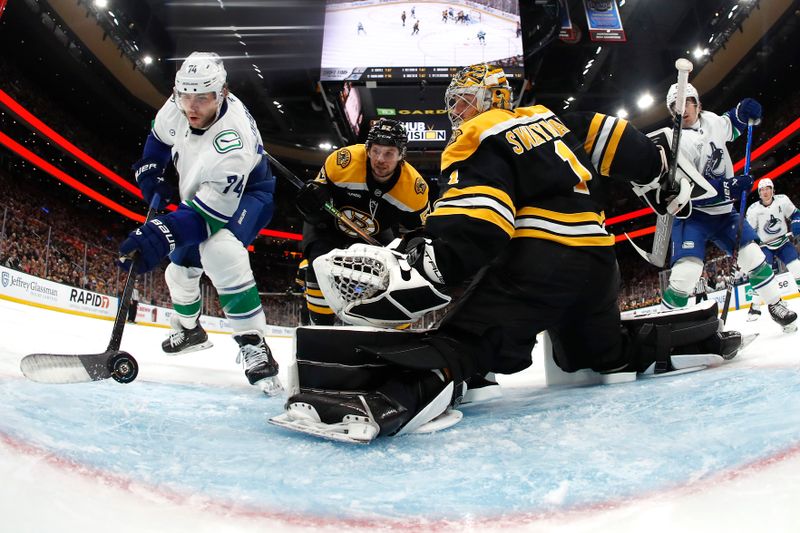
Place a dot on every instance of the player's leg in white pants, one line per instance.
(752, 260)
(227, 264)
(682, 280)
(184, 289)
(794, 268)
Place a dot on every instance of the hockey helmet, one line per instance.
(388, 132)
(764, 183)
(201, 72)
(672, 94)
(486, 83)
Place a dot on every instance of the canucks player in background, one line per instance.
(703, 142)
(772, 217)
(225, 192)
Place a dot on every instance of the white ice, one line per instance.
(387, 43)
(186, 448)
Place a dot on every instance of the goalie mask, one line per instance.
(200, 83)
(369, 285)
(476, 89)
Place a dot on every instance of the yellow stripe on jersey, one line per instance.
(586, 216)
(594, 129)
(611, 150)
(485, 214)
(602, 240)
(481, 190)
(315, 293)
(318, 309)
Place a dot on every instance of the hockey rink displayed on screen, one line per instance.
(360, 34)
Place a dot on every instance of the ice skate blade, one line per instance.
(190, 349)
(790, 328)
(445, 420)
(352, 433)
(482, 395)
(270, 386)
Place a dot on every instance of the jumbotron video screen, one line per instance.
(400, 41)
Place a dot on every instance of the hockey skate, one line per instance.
(482, 389)
(784, 316)
(754, 313)
(182, 340)
(260, 367)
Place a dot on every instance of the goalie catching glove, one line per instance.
(369, 285)
(673, 198)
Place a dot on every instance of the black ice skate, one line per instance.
(754, 313)
(783, 316)
(482, 389)
(260, 367)
(182, 340)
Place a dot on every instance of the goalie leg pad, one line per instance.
(657, 342)
(331, 359)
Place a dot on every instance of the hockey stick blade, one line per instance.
(649, 257)
(75, 368)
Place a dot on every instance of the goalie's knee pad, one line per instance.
(652, 339)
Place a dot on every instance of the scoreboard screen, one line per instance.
(372, 40)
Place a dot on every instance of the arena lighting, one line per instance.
(98, 167)
(60, 175)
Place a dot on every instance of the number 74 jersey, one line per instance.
(216, 165)
(530, 174)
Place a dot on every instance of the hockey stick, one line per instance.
(329, 207)
(740, 225)
(661, 239)
(79, 368)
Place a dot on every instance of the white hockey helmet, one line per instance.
(672, 94)
(201, 72)
(764, 183)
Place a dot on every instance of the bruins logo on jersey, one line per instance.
(454, 137)
(361, 219)
(343, 158)
(420, 186)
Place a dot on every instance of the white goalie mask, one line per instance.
(200, 74)
(369, 285)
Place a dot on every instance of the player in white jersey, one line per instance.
(703, 138)
(226, 196)
(773, 217)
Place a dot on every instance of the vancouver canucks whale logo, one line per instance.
(715, 167)
(773, 227)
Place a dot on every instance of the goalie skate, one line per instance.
(303, 418)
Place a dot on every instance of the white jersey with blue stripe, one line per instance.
(771, 222)
(213, 165)
(703, 144)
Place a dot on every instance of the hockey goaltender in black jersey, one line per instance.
(370, 184)
(521, 213)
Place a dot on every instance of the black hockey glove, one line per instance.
(311, 200)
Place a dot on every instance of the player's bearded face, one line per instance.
(200, 109)
(383, 160)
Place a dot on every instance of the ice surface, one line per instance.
(186, 447)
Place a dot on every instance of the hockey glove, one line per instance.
(732, 187)
(311, 200)
(150, 178)
(796, 224)
(747, 110)
(153, 241)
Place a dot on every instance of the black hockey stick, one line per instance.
(740, 225)
(80, 368)
(329, 207)
(661, 239)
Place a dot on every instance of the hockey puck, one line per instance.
(123, 367)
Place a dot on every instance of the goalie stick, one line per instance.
(80, 368)
(740, 225)
(329, 207)
(661, 238)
